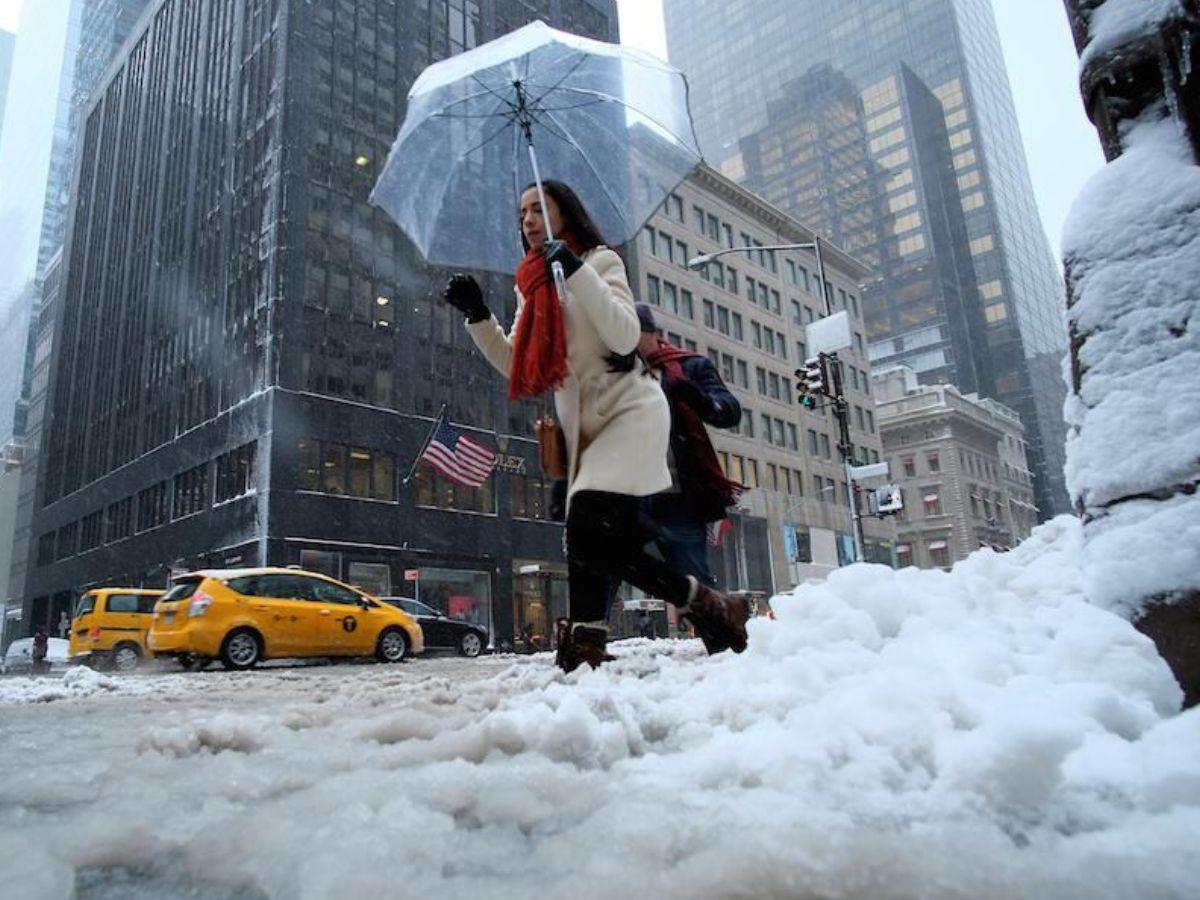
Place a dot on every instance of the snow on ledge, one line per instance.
(1117, 22)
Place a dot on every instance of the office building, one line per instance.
(248, 357)
(890, 126)
(748, 313)
(961, 464)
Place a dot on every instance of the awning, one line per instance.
(931, 498)
(937, 545)
(904, 548)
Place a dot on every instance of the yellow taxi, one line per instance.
(109, 627)
(243, 616)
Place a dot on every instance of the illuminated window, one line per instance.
(982, 245)
(910, 245)
(895, 158)
(883, 120)
(962, 160)
(960, 138)
(968, 181)
(972, 201)
(890, 139)
(900, 179)
(997, 312)
(902, 201)
(956, 118)
(906, 223)
(879, 95)
(990, 290)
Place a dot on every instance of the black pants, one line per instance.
(604, 539)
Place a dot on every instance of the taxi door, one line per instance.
(121, 620)
(281, 611)
(346, 628)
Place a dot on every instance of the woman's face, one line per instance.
(533, 223)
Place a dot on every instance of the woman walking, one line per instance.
(615, 418)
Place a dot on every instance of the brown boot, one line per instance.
(719, 620)
(579, 643)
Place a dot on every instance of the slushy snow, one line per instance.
(981, 733)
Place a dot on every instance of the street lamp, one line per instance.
(814, 245)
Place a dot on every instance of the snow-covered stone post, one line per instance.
(1132, 257)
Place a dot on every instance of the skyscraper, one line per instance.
(249, 356)
(925, 180)
(7, 42)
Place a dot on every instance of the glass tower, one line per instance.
(889, 126)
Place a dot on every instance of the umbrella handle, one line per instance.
(556, 269)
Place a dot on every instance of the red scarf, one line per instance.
(539, 347)
(701, 479)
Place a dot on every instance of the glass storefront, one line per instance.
(458, 593)
(539, 597)
(374, 578)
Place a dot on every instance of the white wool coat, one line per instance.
(617, 424)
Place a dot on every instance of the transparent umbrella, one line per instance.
(609, 121)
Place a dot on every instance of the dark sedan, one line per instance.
(442, 632)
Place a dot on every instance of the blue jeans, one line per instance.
(680, 537)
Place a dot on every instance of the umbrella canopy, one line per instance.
(609, 121)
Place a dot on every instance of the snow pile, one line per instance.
(979, 733)
(75, 683)
(1133, 243)
(1116, 22)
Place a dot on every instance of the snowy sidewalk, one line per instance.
(983, 733)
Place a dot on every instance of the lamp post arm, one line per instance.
(705, 258)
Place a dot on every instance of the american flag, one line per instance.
(457, 456)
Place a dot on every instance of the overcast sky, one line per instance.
(1060, 144)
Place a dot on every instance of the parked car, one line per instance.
(243, 616)
(109, 628)
(440, 630)
(19, 659)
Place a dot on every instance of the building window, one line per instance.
(904, 556)
(435, 490)
(933, 503)
(528, 497)
(743, 375)
(697, 220)
(191, 492)
(235, 472)
(91, 531)
(652, 291)
(939, 553)
(152, 507)
(710, 314)
(331, 468)
(685, 305)
(910, 467)
(118, 522)
(933, 462)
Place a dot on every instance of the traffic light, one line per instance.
(816, 376)
(806, 397)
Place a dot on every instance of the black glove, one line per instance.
(463, 293)
(559, 252)
(684, 390)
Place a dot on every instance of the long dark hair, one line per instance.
(577, 223)
(575, 218)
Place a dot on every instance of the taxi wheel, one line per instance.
(126, 658)
(392, 646)
(470, 645)
(241, 649)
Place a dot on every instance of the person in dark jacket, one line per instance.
(676, 520)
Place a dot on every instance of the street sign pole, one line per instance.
(841, 410)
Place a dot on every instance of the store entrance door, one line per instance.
(539, 597)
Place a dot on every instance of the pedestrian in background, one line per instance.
(616, 423)
(676, 520)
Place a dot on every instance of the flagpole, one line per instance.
(425, 446)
